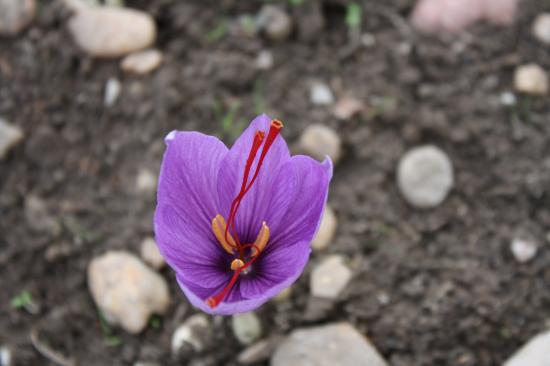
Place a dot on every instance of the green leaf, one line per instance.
(217, 33)
(21, 300)
(353, 15)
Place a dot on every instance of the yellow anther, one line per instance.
(236, 264)
(218, 227)
(261, 240)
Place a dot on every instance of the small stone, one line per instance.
(320, 141)
(142, 62)
(5, 356)
(541, 28)
(531, 79)
(275, 22)
(146, 181)
(330, 277)
(246, 327)
(326, 230)
(10, 136)
(347, 107)
(320, 94)
(126, 290)
(38, 216)
(16, 15)
(368, 40)
(328, 345)
(150, 253)
(425, 176)
(192, 335)
(259, 351)
(112, 31)
(264, 60)
(534, 353)
(508, 99)
(145, 363)
(112, 91)
(523, 250)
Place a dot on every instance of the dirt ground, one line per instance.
(434, 287)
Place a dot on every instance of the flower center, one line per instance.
(226, 233)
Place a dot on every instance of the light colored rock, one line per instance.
(531, 79)
(541, 28)
(142, 62)
(16, 15)
(330, 277)
(347, 107)
(276, 23)
(192, 335)
(264, 60)
(10, 136)
(508, 99)
(246, 327)
(259, 351)
(112, 92)
(126, 290)
(326, 230)
(328, 345)
(150, 253)
(523, 250)
(425, 176)
(320, 93)
(146, 181)
(535, 353)
(319, 141)
(5, 356)
(112, 31)
(38, 216)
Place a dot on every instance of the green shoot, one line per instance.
(24, 299)
(109, 338)
(218, 32)
(353, 15)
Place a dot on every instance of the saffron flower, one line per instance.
(236, 224)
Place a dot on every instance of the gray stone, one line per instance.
(112, 92)
(150, 253)
(10, 136)
(275, 22)
(319, 141)
(16, 15)
(146, 181)
(126, 290)
(320, 93)
(330, 277)
(326, 230)
(246, 327)
(5, 356)
(425, 176)
(259, 351)
(38, 216)
(142, 62)
(523, 250)
(328, 345)
(541, 28)
(535, 353)
(192, 335)
(112, 31)
(531, 79)
(264, 60)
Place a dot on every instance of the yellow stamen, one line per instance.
(261, 240)
(218, 226)
(236, 264)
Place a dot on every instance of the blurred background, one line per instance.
(433, 250)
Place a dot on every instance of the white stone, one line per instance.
(320, 94)
(264, 60)
(326, 230)
(531, 79)
(276, 23)
(126, 290)
(535, 353)
(541, 28)
(191, 333)
(330, 277)
(508, 99)
(112, 31)
(146, 181)
(142, 62)
(10, 136)
(112, 92)
(150, 253)
(5, 356)
(523, 250)
(319, 141)
(347, 107)
(246, 327)
(328, 345)
(15, 15)
(425, 176)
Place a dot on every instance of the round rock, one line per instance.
(533, 353)
(425, 176)
(151, 254)
(276, 23)
(326, 230)
(192, 335)
(531, 79)
(330, 277)
(112, 31)
(246, 327)
(320, 141)
(142, 62)
(15, 15)
(541, 28)
(523, 250)
(126, 290)
(320, 94)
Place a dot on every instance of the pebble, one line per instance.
(541, 28)
(264, 60)
(319, 141)
(326, 230)
(146, 363)
(112, 92)
(38, 216)
(531, 79)
(523, 250)
(10, 136)
(320, 94)
(327, 345)
(112, 31)
(425, 176)
(330, 277)
(346, 108)
(275, 22)
(16, 15)
(508, 99)
(192, 335)
(259, 351)
(126, 290)
(146, 181)
(142, 62)
(150, 253)
(246, 327)
(534, 353)
(5, 356)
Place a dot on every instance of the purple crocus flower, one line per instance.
(236, 224)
